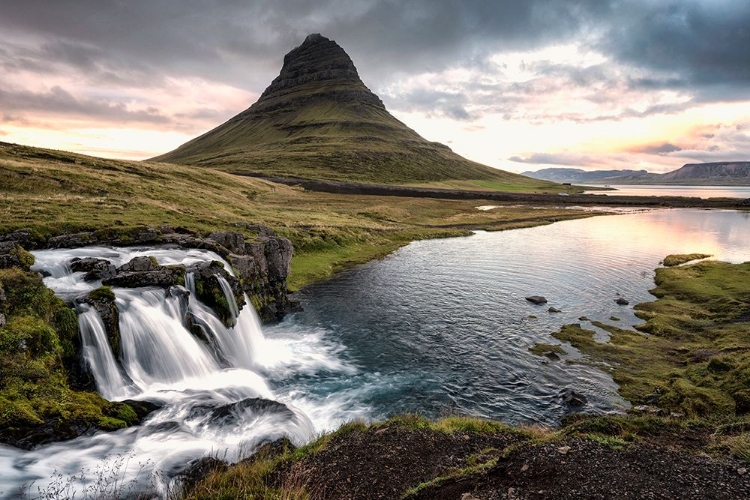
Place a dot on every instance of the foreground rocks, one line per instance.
(410, 458)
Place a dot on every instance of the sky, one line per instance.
(514, 84)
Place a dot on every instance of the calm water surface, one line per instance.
(690, 191)
(443, 326)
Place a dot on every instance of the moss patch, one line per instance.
(37, 345)
(679, 259)
(692, 355)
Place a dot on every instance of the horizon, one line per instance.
(636, 85)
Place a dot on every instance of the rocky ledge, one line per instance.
(261, 265)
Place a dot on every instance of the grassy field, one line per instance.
(52, 192)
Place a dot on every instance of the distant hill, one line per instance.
(577, 175)
(317, 120)
(693, 174)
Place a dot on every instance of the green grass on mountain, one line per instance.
(52, 192)
(343, 142)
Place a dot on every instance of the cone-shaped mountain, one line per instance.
(317, 120)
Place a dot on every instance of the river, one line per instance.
(704, 192)
(438, 327)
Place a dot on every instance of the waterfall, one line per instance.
(98, 356)
(211, 389)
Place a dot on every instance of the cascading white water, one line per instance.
(98, 356)
(213, 392)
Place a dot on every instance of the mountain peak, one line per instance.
(318, 62)
(318, 120)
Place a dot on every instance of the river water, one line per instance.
(742, 192)
(438, 327)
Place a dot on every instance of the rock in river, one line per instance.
(537, 299)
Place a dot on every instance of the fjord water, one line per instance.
(438, 327)
(742, 192)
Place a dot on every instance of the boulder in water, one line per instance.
(622, 302)
(572, 398)
(160, 276)
(95, 269)
(537, 299)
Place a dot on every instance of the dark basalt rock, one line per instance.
(72, 240)
(144, 271)
(95, 269)
(317, 59)
(197, 470)
(53, 430)
(537, 299)
(142, 409)
(209, 291)
(231, 413)
(103, 300)
(13, 255)
(622, 302)
(553, 310)
(572, 398)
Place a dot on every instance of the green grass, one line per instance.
(692, 354)
(54, 192)
(679, 259)
(37, 349)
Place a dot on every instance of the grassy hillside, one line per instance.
(52, 192)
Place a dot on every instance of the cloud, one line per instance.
(571, 160)
(60, 101)
(656, 149)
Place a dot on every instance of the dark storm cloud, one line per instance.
(704, 42)
(695, 47)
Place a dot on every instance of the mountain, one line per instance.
(692, 174)
(317, 120)
(577, 175)
(720, 173)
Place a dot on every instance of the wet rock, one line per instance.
(142, 409)
(208, 289)
(270, 449)
(95, 269)
(53, 430)
(232, 413)
(103, 300)
(537, 299)
(197, 470)
(234, 242)
(572, 398)
(553, 310)
(13, 255)
(622, 302)
(72, 240)
(160, 276)
(278, 253)
(138, 264)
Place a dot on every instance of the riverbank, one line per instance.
(689, 439)
(52, 193)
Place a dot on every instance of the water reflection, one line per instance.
(442, 325)
(690, 191)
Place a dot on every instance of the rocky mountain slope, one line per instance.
(317, 120)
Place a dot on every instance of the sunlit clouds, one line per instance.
(516, 85)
